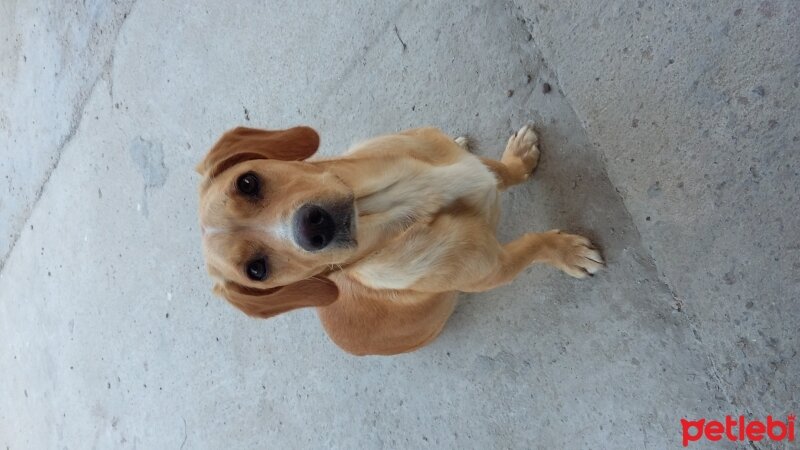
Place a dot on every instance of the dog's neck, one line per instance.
(392, 193)
(389, 197)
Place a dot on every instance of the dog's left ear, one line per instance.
(243, 144)
(264, 303)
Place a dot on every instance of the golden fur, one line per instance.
(426, 211)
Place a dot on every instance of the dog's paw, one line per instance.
(575, 255)
(463, 142)
(522, 150)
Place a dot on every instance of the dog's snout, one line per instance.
(314, 228)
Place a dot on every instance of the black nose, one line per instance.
(314, 228)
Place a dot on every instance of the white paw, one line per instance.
(463, 142)
(577, 257)
(523, 148)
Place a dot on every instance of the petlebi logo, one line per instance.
(738, 429)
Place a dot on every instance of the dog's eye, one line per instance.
(257, 269)
(248, 184)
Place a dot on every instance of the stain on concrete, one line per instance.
(149, 159)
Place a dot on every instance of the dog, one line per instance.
(379, 240)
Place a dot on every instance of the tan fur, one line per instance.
(425, 230)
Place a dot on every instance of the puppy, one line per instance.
(379, 240)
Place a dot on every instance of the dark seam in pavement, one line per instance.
(714, 374)
(75, 123)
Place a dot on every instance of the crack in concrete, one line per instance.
(75, 122)
(108, 73)
(78, 112)
(678, 303)
(362, 55)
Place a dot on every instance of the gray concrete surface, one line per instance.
(670, 137)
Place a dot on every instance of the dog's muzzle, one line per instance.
(317, 227)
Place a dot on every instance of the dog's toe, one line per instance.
(463, 142)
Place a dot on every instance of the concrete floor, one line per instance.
(670, 136)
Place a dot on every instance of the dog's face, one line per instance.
(271, 221)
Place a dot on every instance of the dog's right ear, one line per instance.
(264, 303)
(243, 144)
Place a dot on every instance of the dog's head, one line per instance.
(273, 224)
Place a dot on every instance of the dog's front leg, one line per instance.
(571, 253)
(520, 158)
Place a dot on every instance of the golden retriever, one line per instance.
(379, 240)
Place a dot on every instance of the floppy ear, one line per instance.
(264, 303)
(242, 144)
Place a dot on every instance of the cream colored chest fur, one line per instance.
(412, 197)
